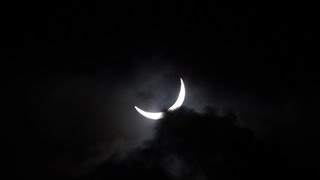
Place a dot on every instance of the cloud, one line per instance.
(190, 145)
(91, 128)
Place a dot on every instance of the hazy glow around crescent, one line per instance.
(150, 115)
(180, 99)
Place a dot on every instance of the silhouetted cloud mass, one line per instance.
(190, 145)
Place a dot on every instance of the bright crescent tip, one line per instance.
(180, 98)
(150, 115)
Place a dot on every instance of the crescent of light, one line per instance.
(176, 105)
(180, 99)
(150, 115)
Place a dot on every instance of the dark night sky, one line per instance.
(74, 71)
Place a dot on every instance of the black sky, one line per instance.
(73, 72)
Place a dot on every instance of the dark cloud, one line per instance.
(76, 121)
(189, 145)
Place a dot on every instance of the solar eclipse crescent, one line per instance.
(176, 105)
